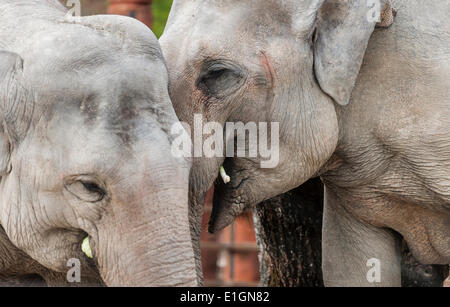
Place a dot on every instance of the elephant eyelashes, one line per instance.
(313, 37)
(92, 187)
(218, 80)
(86, 190)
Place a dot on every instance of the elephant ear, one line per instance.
(343, 31)
(11, 66)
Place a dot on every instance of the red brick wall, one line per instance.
(230, 258)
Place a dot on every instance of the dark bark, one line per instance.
(31, 280)
(289, 235)
(289, 230)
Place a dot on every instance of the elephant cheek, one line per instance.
(440, 240)
(430, 242)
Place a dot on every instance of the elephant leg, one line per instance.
(355, 253)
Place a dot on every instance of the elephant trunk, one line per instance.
(202, 176)
(145, 238)
(195, 217)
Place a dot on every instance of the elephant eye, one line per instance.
(86, 190)
(92, 187)
(219, 80)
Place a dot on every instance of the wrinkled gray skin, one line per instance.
(85, 150)
(376, 131)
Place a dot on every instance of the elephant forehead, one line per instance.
(58, 56)
(96, 73)
(270, 17)
(117, 97)
(75, 47)
(225, 6)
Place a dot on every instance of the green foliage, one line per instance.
(161, 9)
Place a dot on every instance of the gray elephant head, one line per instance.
(291, 62)
(296, 62)
(85, 151)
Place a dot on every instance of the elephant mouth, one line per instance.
(230, 199)
(87, 245)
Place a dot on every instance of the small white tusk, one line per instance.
(86, 247)
(224, 175)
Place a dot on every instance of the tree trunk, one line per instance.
(289, 236)
(289, 230)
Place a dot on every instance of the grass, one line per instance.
(161, 9)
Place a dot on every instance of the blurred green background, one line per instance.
(161, 9)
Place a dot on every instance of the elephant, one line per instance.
(360, 93)
(86, 171)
